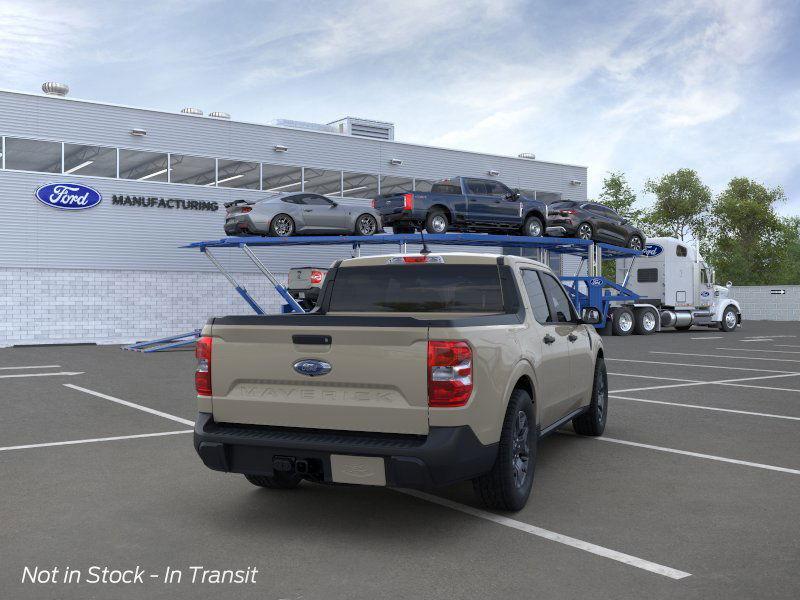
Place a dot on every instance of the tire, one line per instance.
(506, 487)
(275, 482)
(584, 232)
(645, 321)
(436, 221)
(623, 321)
(729, 320)
(533, 227)
(366, 224)
(635, 242)
(593, 421)
(281, 225)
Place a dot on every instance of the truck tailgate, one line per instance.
(377, 380)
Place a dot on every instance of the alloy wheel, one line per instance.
(282, 226)
(439, 223)
(521, 449)
(534, 228)
(730, 319)
(585, 232)
(635, 243)
(366, 225)
(625, 321)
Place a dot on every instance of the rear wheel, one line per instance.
(533, 227)
(366, 225)
(508, 485)
(645, 322)
(281, 226)
(279, 481)
(436, 222)
(584, 231)
(593, 421)
(635, 243)
(623, 321)
(729, 320)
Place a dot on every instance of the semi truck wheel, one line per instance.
(645, 323)
(593, 421)
(729, 320)
(508, 485)
(623, 321)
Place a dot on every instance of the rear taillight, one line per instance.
(373, 203)
(316, 277)
(408, 201)
(247, 209)
(449, 373)
(202, 376)
(568, 212)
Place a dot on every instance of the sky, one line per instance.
(639, 87)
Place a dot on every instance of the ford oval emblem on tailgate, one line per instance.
(312, 367)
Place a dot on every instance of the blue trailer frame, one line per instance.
(599, 291)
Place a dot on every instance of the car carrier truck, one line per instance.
(676, 288)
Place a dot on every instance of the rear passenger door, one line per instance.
(565, 318)
(479, 201)
(546, 346)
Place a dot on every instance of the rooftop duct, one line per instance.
(51, 88)
(527, 155)
(219, 115)
(376, 130)
(192, 111)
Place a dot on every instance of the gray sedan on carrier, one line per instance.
(300, 213)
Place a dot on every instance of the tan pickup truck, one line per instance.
(414, 371)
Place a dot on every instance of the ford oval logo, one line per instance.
(596, 281)
(652, 250)
(68, 196)
(312, 367)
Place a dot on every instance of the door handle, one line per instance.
(549, 339)
(572, 337)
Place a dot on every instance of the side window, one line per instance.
(495, 188)
(476, 186)
(560, 306)
(681, 251)
(294, 199)
(533, 287)
(315, 200)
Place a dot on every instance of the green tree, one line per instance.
(749, 243)
(681, 205)
(618, 195)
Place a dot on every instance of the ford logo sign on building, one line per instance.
(68, 196)
(652, 250)
(312, 367)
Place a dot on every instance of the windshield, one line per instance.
(417, 288)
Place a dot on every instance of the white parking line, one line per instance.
(708, 337)
(16, 375)
(627, 559)
(700, 455)
(673, 364)
(655, 377)
(717, 382)
(93, 440)
(722, 356)
(31, 367)
(152, 411)
(727, 410)
(758, 350)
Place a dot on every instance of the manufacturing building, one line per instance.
(114, 271)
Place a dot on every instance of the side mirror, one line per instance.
(590, 316)
(729, 285)
(334, 204)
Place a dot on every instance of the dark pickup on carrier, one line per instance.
(464, 204)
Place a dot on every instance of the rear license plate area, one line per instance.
(361, 470)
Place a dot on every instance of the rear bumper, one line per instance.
(446, 455)
(398, 215)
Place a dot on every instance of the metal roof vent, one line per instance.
(527, 155)
(51, 88)
(192, 111)
(377, 130)
(219, 115)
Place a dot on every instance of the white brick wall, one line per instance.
(759, 304)
(47, 306)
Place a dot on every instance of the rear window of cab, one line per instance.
(418, 288)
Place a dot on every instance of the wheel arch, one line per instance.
(444, 208)
(522, 377)
(535, 212)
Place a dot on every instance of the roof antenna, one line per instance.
(425, 250)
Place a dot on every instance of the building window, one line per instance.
(97, 161)
(321, 181)
(396, 185)
(359, 185)
(33, 155)
(237, 174)
(423, 185)
(280, 178)
(144, 166)
(194, 170)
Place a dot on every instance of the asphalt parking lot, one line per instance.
(691, 493)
